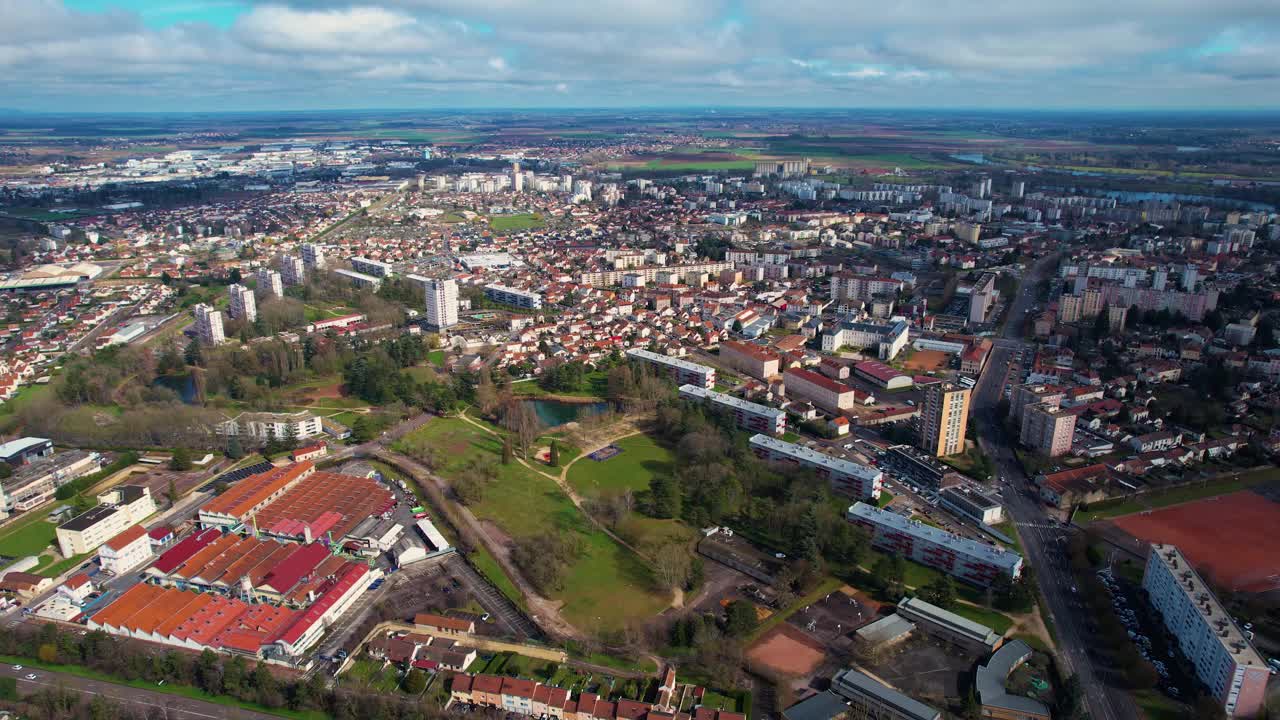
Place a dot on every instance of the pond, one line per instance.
(554, 413)
(184, 385)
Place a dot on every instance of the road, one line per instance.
(149, 701)
(1043, 538)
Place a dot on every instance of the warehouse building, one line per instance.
(972, 504)
(968, 560)
(682, 372)
(37, 482)
(882, 375)
(846, 477)
(1224, 660)
(748, 415)
(25, 450)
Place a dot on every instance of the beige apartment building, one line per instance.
(1047, 429)
(944, 416)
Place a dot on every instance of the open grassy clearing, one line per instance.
(517, 223)
(30, 535)
(995, 620)
(606, 586)
(641, 459)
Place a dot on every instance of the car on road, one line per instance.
(421, 515)
(31, 676)
(17, 667)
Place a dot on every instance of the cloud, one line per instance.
(351, 53)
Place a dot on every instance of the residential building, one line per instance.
(360, 279)
(946, 625)
(368, 266)
(123, 506)
(887, 338)
(1076, 485)
(264, 425)
(748, 415)
(514, 296)
(852, 286)
(129, 549)
(944, 417)
(822, 391)
(752, 360)
(1047, 430)
(870, 698)
(313, 256)
(270, 284)
(1224, 660)
(209, 325)
(292, 270)
(682, 372)
(242, 306)
(982, 298)
(1027, 394)
(973, 562)
(442, 303)
(847, 478)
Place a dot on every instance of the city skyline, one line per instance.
(114, 55)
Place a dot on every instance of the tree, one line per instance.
(664, 497)
(940, 592)
(235, 450)
(180, 460)
(173, 492)
(194, 355)
(507, 454)
(1101, 324)
(415, 682)
(740, 618)
(553, 453)
(671, 564)
(6, 471)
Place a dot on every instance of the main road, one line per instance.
(1044, 539)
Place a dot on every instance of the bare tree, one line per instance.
(671, 563)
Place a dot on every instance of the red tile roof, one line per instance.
(126, 537)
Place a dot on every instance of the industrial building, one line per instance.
(748, 415)
(973, 562)
(120, 507)
(990, 682)
(882, 375)
(847, 478)
(1224, 660)
(682, 372)
(25, 450)
(37, 482)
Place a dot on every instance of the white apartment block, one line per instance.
(973, 562)
(748, 415)
(442, 303)
(359, 279)
(514, 296)
(682, 372)
(313, 256)
(209, 325)
(982, 298)
(292, 270)
(263, 426)
(1224, 660)
(119, 508)
(243, 306)
(126, 551)
(846, 477)
(368, 266)
(270, 284)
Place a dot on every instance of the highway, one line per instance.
(1044, 539)
(150, 702)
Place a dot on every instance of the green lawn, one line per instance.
(606, 587)
(1158, 499)
(1155, 706)
(57, 568)
(436, 357)
(641, 530)
(370, 674)
(517, 223)
(701, 165)
(31, 536)
(1008, 528)
(886, 497)
(167, 688)
(641, 459)
(595, 385)
(995, 620)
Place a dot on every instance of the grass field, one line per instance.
(595, 385)
(29, 536)
(606, 586)
(1159, 499)
(641, 459)
(517, 223)
(995, 620)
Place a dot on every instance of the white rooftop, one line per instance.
(938, 536)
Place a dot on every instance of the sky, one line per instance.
(211, 55)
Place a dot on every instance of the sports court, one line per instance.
(1231, 536)
(788, 651)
